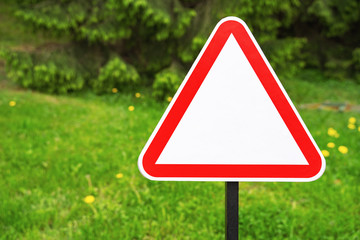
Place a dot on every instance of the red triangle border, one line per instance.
(189, 172)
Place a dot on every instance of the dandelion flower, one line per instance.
(352, 120)
(351, 126)
(114, 90)
(331, 145)
(89, 199)
(343, 149)
(332, 132)
(119, 175)
(169, 99)
(359, 129)
(12, 103)
(137, 95)
(131, 108)
(325, 153)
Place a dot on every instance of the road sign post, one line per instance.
(232, 210)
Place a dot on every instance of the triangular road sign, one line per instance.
(231, 120)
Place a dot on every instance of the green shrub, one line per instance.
(18, 67)
(356, 63)
(285, 55)
(152, 34)
(166, 83)
(47, 76)
(115, 74)
(189, 54)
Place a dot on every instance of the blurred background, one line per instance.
(84, 82)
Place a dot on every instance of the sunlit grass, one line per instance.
(69, 171)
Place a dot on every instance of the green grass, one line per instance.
(310, 86)
(55, 150)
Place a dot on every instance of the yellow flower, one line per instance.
(331, 145)
(89, 199)
(359, 129)
(119, 175)
(332, 132)
(114, 90)
(169, 99)
(351, 126)
(137, 95)
(12, 103)
(352, 120)
(343, 149)
(325, 153)
(131, 108)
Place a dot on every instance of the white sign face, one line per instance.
(231, 120)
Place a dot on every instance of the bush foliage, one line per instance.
(54, 76)
(149, 36)
(115, 74)
(166, 83)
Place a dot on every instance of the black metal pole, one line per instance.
(232, 210)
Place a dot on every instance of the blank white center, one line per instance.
(231, 120)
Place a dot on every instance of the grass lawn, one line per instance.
(56, 150)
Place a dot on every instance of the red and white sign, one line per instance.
(231, 120)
